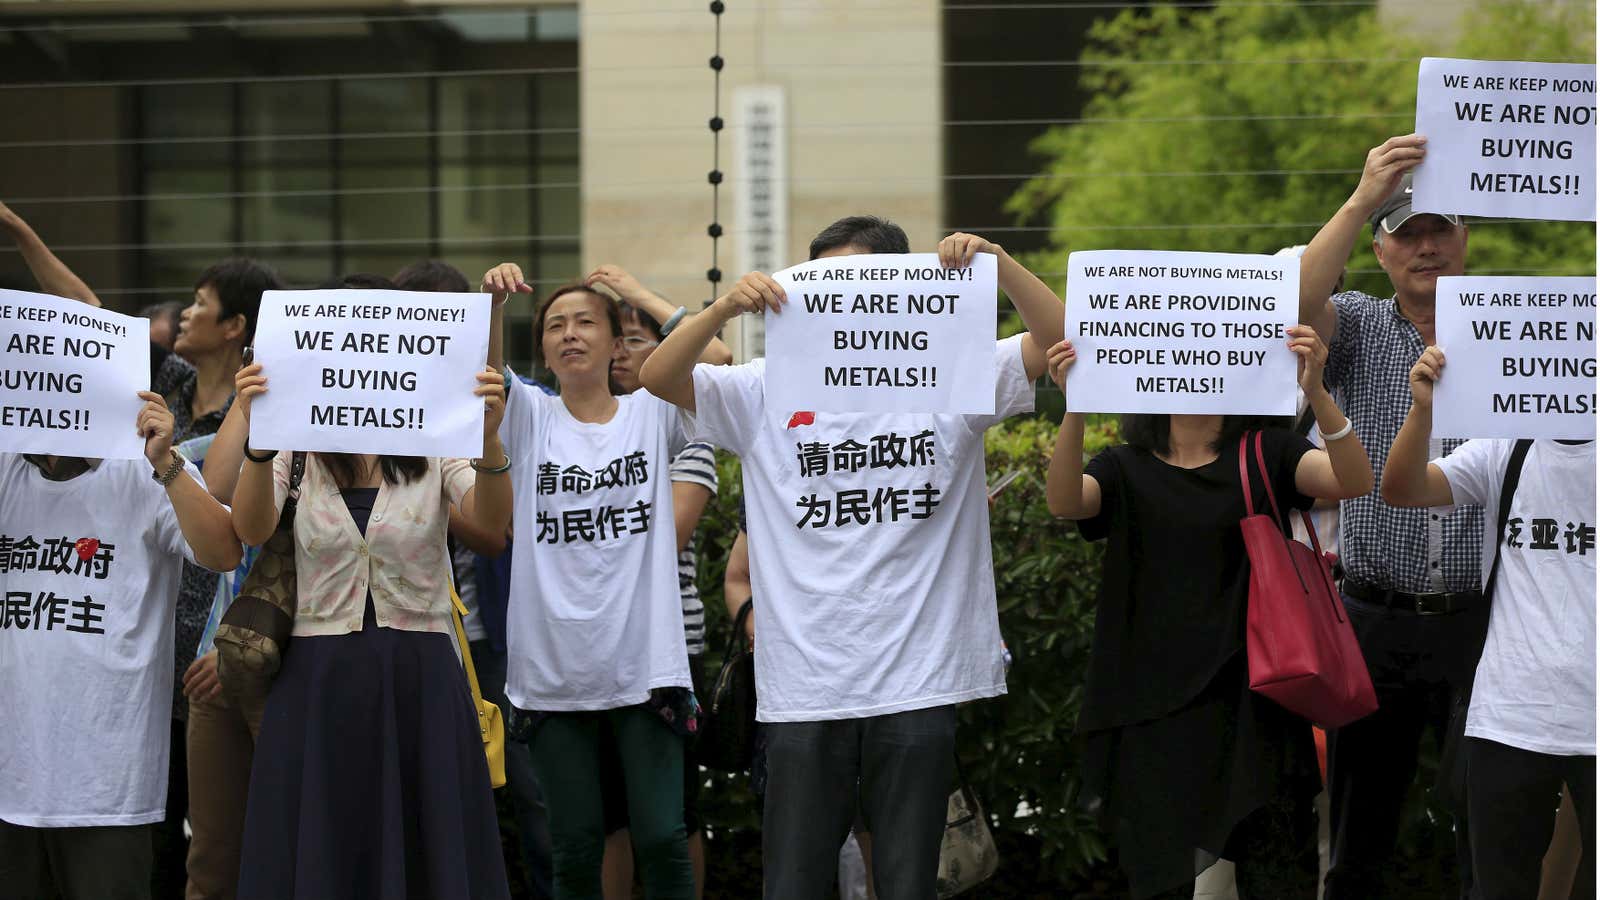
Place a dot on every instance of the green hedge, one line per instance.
(1018, 751)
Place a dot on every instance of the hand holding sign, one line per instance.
(1313, 353)
(248, 384)
(957, 250)
(1423, 376)
(492, 388)
(755, 292)
(1059, 359)
(155, 425)
(1386, 164)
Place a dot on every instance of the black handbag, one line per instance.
(728, 737)
(255, 630)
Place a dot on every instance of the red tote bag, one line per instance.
(1302, 651)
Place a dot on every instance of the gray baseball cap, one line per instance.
(1397, 209)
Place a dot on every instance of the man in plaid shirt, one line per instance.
(1411, 575)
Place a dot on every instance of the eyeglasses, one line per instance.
(634, 343)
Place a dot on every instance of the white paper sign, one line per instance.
(368, 371)
(1178, 332)
(70, 375)
(884, 332)
(1507, 139)
(1519, 358)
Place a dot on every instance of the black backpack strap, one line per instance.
(1508, 489)
(297, 471)
(1307, 419)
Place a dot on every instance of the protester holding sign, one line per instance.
(91, 553)
(595, 626)
(371, 705)
(1411, 576)
(196, 382)
(1530, 728)
(1168, 669)
(484, 593)
(694, 484)
(869, 542)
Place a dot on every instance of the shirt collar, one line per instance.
(67, 467)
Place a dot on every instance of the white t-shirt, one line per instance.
(869, 547)
(89, 572)
(1535, 688)
(594, 619)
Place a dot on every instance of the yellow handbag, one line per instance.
(489, 721)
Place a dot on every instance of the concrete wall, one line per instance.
(862, 91)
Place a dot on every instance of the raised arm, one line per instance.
(630, 291)
(52, 274)
(1041, 310)
(669, 372)
(1342, 470)
(225, 456)
(488, 544)
(204, 522)
(1068, 492)
(255, 508)
(1326, 255)
(1408, 478)
(487, 504)
(501, 282)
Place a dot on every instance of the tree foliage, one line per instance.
(1244, 127)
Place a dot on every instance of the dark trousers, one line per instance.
(897, 767)
(169, 873)
(566, 754)
(1417, 663)
(107, 863)
(1512, 796)
(527, 801)
(1274, 851)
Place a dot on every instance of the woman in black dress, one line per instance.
(369, 777)
(1182, 761)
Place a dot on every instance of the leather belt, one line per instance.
(1431, 603)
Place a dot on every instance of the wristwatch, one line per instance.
(165, 478)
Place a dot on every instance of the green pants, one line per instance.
(566, 759)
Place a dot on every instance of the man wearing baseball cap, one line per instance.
(1411, 575)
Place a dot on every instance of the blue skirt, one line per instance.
(369, 778)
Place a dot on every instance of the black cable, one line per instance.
(714, 230)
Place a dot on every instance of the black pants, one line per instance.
(105, 863)
(904, 763)
(1512, 796)
(527, 799)
(170, 849)
(1274, 852)
(1417, 663)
